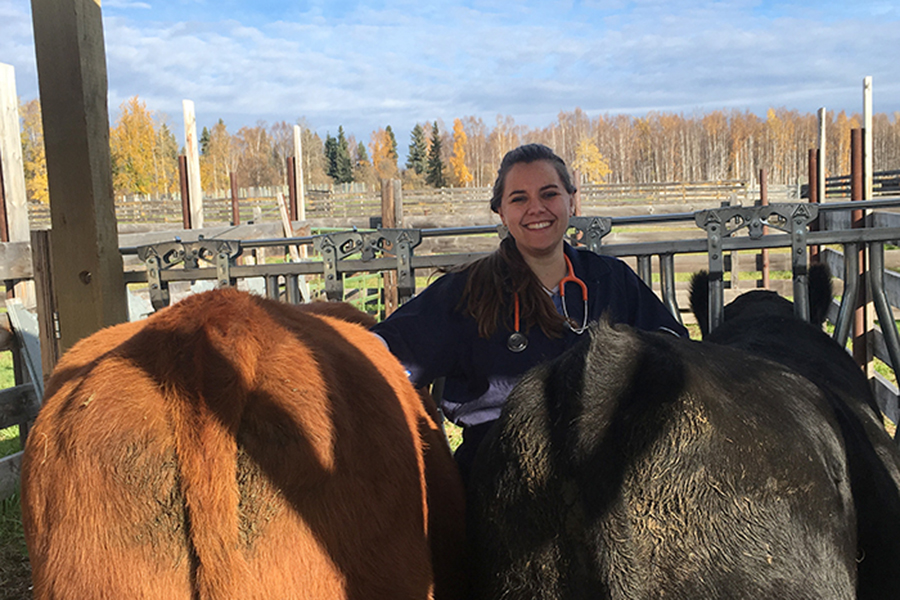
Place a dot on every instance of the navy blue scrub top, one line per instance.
(433, 337)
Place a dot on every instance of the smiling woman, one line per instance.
(482, 325)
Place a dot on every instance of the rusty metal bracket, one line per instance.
(334, 247)
(165, 255)
(592, 230)
(399, 243)
(721, 223)
(395, 242)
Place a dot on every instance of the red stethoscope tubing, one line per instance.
(570, 278)
(520, 341)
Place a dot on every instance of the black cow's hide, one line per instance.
(641, 465)
(762, 322)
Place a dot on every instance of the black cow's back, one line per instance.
(872, 456)
(642, 465)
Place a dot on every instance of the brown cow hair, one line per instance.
(236, 447)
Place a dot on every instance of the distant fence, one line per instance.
(356, 200)
(885, 183)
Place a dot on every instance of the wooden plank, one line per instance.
(287, 228)
(18, 404)
(87, 266)
(10, 470)
(192, 151)
(46, 301)
(11, 157)
(298, 173)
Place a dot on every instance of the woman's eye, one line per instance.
(517, 198)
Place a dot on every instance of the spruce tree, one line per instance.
(361, 155)
(435, 174)
(344, 166)
(393, 139)
(418, 151)
(331, 161)
(204, 141)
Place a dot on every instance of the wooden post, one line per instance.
(764, 253)
(820, 172)
(292, 187)
(389, 220)
(576, 199)
(862, 351)
(4, 222)
(287, 227)
(813, 172)
(12, 173)
(86, 263)
(192, 151)
(298, 173)
(185, 192)
(235, 209)
(867, 139)
(41, 252)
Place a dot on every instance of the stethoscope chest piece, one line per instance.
(517, 341)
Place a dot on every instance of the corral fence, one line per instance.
(157, 271)
(190, 260)
(357, 200)
(723, 231)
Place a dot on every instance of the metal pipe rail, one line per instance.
(358, 251)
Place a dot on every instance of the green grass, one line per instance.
(9, 437)
(15, 572)
(9, 441)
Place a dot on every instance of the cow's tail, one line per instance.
(221, 354)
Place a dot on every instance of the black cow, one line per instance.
(641, 465)
(763, 323)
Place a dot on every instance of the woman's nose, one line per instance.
(533, 205)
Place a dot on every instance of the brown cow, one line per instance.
(236, 447)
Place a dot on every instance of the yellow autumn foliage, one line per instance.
(461, 174)
(34, 159)
(590, 162)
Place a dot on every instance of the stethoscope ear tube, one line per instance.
(517, 341)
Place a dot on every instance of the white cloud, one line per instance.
(402, 61)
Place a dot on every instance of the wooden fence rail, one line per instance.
(343, 202)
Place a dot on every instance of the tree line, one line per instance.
(656, 147)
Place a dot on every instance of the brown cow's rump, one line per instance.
(236, 447)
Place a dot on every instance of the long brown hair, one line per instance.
(495, 279)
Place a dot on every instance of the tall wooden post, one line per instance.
(86, 265)
(12, 174)
(820, 172)
(868, 180)
(862, 350)
(576, 199)
(764, 253)
(814, 196)
(298, 173)
(192, 151)
(235, 207)
(185, 191)
(292, 187)
(391, 217)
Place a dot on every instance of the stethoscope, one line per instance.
(517, 340)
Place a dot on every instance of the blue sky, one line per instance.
(366, 64)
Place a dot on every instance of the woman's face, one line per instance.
(535, 207)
